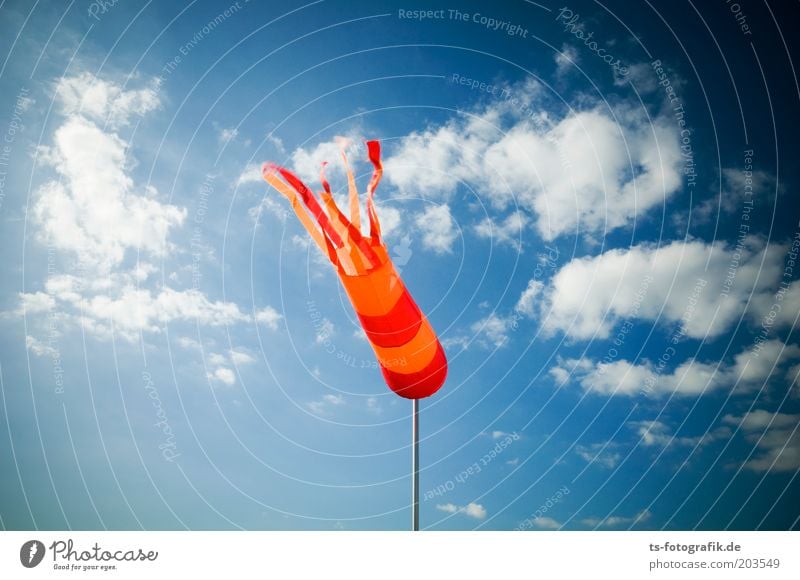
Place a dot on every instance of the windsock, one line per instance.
(409, 353)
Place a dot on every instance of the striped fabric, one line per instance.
(411, 358)
(410, 355)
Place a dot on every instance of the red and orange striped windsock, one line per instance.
(409, 353)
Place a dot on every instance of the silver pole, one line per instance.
(415, 466)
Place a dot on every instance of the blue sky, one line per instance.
(602, 235)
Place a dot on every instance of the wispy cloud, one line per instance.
(227, 134)
(472, 510)
(325, 405)
(749, 370)
(437, 228)
(603, 454)
(508, 231)
(776, 435)
(269, 317)
(617, 521)
(547, 523)
(94, 212)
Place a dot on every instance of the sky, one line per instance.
(595, 204)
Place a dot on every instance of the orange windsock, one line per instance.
(410, 355)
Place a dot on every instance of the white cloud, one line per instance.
(227, 134)
(188, 343)
(39, 348)
(602, 454)
(473, 510)
(104, 101)
(614, 521)
(134, 311)
(546, 523)
(269, 317)
(449, 508)
(250, 174)
(99, 303)
(323, 405)
(272, 206)
(391, 219)
(431, 162)
(560, 374)
(224, 375)
(437, 228)
(451, 342)
(736, 189)
(302, 242)
(793, 374)
(527, 300)
(509, 231)
(615, 378)
(240, 357)
(755, 366)
(94, 209)
(493, 331)
(658, 434)
(641, 76)
(776, 435)
(35, 302)
(764, 311)
(651, 432)
(677, 283)
(590, 171)
(317, 407)
(750, 370)
(143, 270)
(761, 419)
(566, 60)
(276, 142)
(69, 288)
(333, 399)
(307, 163)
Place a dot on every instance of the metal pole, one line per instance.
(415, 467)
